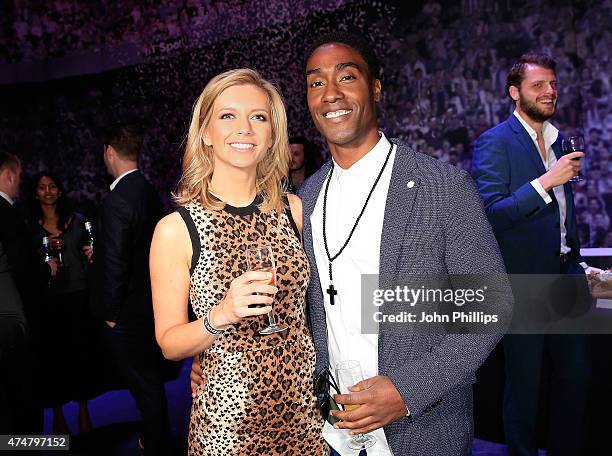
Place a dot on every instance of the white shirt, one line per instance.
(116, 181)
(550, 134)
(7, 198)
(346, 196)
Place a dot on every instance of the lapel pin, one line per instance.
(410, 184)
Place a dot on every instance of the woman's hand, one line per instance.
(248, 289)
(88, 251)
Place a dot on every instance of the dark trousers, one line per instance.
(140, 363)
(21, 410)
(570, 375)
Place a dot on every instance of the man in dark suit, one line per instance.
(29, 274)
(523, 179)
(123, 299)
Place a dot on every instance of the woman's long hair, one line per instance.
(198, 160)
(63, 207)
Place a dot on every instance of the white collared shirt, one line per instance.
(7, 198)
(116, 181)
(550, 134)
(346, 196)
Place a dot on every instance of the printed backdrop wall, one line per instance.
(67, 69)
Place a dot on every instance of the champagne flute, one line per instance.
(573, 144)
(262, 259)
(349, 373)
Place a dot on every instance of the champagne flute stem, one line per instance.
(271, 319)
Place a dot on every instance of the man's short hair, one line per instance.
(357, 42)
(10, 161)
(517, 72)
(126, 139)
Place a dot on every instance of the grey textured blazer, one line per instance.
(436, 227)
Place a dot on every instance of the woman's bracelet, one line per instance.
(209, 327)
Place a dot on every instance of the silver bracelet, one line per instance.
(210, 328)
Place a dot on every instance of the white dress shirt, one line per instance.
(116, 181)
(7, 198)
(550, 134)
(346, 196)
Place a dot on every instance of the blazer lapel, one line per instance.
(403, 190)
(529, 147)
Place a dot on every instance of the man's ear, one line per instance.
(514, 93)
(377, 89)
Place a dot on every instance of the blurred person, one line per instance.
(257, 395)
(303, 162)
(122, 299)
(30, 274)
(523, 179)
(69, 332)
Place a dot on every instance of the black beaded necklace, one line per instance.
(331, 291)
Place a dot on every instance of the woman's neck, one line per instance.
(237, 188)
(49, 217)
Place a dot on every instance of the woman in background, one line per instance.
(67, 339)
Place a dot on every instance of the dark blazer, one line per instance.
(12, 317)
(505, 162)
(437, 226)
(29, 271)
(127, 219)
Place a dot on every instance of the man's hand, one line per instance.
(379, 404)
(565, 168)
(110, 324)
(196, 376)
(600, 288)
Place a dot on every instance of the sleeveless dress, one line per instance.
(258, 393)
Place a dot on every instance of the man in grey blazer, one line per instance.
(432, 223)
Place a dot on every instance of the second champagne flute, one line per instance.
(348, 374)
(262, 259)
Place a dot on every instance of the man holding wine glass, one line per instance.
(523, 178)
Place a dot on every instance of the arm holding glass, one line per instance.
(372, 403)
(170, 263)
(566, 168)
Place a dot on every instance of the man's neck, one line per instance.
(123, 168)
(347, 156)
(537, 126)
(298, 175)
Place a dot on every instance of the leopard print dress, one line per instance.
(258, 394)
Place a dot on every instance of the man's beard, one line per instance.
(534, 112)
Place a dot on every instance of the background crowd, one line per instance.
(443, 82)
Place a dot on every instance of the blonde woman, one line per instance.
(257, 397)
